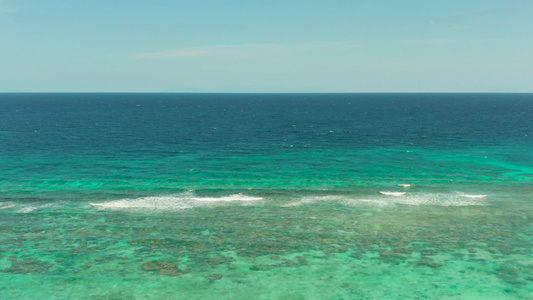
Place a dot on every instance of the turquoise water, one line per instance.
(139, 196)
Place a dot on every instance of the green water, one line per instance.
(326, 249)
(133, 196)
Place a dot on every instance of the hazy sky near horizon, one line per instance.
(266, 46)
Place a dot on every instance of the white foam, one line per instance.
(28, 208)
(405, 185)
(384, 199)
(175, 202)
(166, 203)
(471, 196)
(6, 206)
(438, 199)
(414, 199)
(234, 197)
(396, 194)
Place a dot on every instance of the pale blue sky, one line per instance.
(266, 46)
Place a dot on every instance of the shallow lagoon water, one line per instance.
(265, 209)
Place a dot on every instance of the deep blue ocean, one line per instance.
(279, 196)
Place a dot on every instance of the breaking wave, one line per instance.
(384, 200)
(175, 202)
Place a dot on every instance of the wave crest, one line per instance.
(384, 200)
(176, 202)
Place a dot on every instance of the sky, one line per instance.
(266, 46)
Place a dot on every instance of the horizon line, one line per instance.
(265, 92)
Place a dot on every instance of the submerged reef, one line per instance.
(28, 266)
(163, 267)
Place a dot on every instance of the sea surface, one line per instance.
(266, 196)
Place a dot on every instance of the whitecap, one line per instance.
(175, 202)
(413, 199)
(471, 196)
(396, 194)
(157, 203)
(6, 206)
(28, 209)
(230, 198)
(437, 199)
